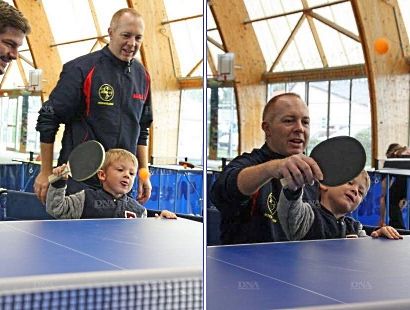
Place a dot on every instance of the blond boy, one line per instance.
(307, 221)
(117, 177)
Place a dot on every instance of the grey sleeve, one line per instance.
(295, 216)
(144, 214)
(64, 207)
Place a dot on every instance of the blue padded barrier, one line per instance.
(176, 189)
(173, 187)
(24, 206)
(19, 176)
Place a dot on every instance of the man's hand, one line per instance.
(41, 186)
(298, 170)
(144, 190)
(386, 231)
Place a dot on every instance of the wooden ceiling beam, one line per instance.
(335, 26)
(250, 93)
(304, 10)
(316, 37)
(40, 40)
(157, 54)
(388, 74)
(211, 62)
(287, 43)
(321, 74)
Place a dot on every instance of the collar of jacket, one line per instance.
(123, 197)
(115, 60)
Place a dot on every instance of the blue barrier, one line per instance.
(19, 177)
(176, 190)
(368, 212)
(173, 188)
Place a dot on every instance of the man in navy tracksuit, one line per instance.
(103, 96)
(247, 191)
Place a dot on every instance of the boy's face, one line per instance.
(119, 177)
(345, 198)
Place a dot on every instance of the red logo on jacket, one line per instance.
(138, 96)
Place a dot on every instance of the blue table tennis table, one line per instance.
(56, 263)
(360, 273)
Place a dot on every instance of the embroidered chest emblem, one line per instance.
(271, 208)
(106, 92)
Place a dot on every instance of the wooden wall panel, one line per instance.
(388, 73)
(165, 87)
(39, 41)
(250, 90)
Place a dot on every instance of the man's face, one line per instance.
(126, 37)
(286, 126)
(10, 41)
(346, 197)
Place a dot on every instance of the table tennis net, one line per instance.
(105, 290)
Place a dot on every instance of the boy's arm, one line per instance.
(64, 207)
(295, 216)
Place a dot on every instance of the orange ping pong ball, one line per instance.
(144, 174)
(381, 45)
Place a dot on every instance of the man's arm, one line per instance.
(144, 186)
(295, 216)
(46, 169)
(60, 108)
(296, 169)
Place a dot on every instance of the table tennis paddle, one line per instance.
(83, 162)
(341, 159)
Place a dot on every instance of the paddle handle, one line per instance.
(54, 178)
(284, 183)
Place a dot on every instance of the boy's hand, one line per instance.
(59, 171)
(165, 214)
(386, 231)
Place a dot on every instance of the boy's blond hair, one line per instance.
(364, 174)
(114, 155)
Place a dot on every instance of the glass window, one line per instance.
(60, 15)
(222, 123)
(187, 34)
(404, 6)
(360, 126)
(302, 51)
(317, 100)
(190, 139)
(339, 108)
(336, 108)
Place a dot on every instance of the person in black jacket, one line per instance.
(397, 190)
(117, 177)
(247, 191)
(13, 29)
(103, 96)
